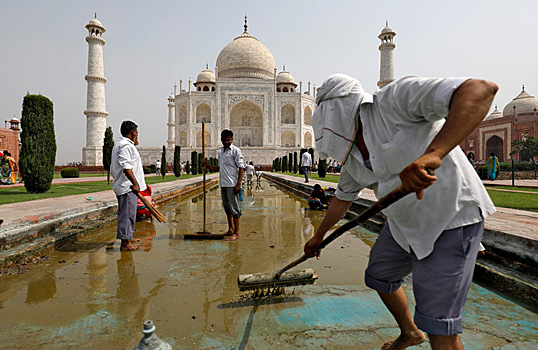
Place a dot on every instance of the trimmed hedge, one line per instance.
(38, 149)
(69, 172)
(147, 170)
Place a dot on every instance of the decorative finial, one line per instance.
(387, 23)
(523, 87)
(246, 26)
(284, 67)
(206, 66)
(95, 15)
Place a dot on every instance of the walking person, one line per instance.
(250, 171)
(231, 168)
(126, 169)
(409, 126)
(158, 167)
(493, 166)
(306, 163)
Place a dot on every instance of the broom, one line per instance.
(282, 278)
(160, 217)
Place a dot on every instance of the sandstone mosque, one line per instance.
(269, 113)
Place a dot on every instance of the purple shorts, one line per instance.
(441, 281)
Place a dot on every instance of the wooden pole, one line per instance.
(203, 160)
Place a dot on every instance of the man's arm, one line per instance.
(337, 210)
(130, 175)
(237, 188)
(469, 106)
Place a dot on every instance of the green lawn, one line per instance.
(514, 200)
(19, 194)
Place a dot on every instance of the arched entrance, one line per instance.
(287, 139)
(495, 145)
(246, 121)
(308, 139)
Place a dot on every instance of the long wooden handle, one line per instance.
(160, 217)
(375, 208)
(203, 160)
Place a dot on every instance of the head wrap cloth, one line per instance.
(334, 120)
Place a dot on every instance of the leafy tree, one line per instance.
(177, 161)
(322, 168)
(164, 168)
(194, 162)
(527, 148)
(108, 145)
(38, 150)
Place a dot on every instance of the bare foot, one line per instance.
(128, 247)
(404, 341)
(228, 233)
(233, 237)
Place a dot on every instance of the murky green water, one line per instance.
(90, 295)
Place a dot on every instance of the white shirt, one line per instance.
(125, 156)
(399, 122)
(306, 159)
(230, 160)
(250, 169)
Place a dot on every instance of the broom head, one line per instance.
(267, 280)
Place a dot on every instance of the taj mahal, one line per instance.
(269, 113)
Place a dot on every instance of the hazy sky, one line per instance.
(150, 45)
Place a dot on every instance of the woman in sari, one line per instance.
(493, 166)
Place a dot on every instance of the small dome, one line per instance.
(14, 120)
(95, 22)
(284, 78)
(494, 115)
(246, 57)
(206, 76)
(171, 97)
(523, 103)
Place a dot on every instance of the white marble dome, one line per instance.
(494, 115)
(206, 76)
(246, 57)
(523, 102)
(284, 78)
(95, 22)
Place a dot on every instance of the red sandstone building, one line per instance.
(9, 138)
(497, 131)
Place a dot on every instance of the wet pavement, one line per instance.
(87, 294)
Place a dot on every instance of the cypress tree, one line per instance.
(164, 168)
(194, 162)
(108, 145)
(322, 168)
(200, 161)
(177, 161)
(295, 166)
(303, 150)
(38, 150)
(285, 164)
(290, 162)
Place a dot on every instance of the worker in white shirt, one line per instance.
(393, 138)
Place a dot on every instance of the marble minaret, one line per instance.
(171, 142)
(386, 74)
(95, 111)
